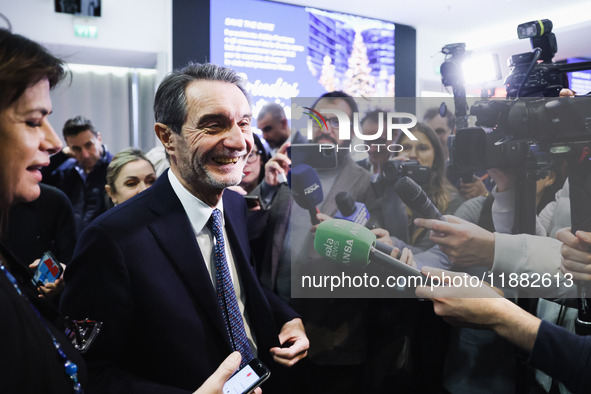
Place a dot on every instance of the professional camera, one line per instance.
(523, 133)
(526, 132)
(393, 170)
(528, 78)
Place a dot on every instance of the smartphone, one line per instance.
(48, 270)
(318, 156)
(252, 201)
(248, 378)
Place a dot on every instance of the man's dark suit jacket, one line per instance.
(139, 270)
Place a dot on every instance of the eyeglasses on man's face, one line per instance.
(332, 122)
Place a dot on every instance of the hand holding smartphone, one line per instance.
(248, 378)
(48, 270)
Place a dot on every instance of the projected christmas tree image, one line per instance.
(360, 82)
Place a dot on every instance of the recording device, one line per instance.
(247, 378)
(354, 245)
(356, 212)
(252, 201)
(416, 199)
(351, 210)
(311, 154)
(527, 133)
(393, 170)
(530, 78)
(306, 189)
(48, 270)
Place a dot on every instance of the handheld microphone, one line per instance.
(416, 199)
(351, 210)
(357, 212)
(306, 189)
(354, 245)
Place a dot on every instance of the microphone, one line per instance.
(416, 199)
(357, 212)
(306, 189)
(351, 210)
(354, 245)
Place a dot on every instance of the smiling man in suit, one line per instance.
(169, 272)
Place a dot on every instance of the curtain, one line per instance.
(105, 96)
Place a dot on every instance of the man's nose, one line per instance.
(236, 138)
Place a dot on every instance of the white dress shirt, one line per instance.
(199, 213)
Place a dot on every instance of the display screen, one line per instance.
(287, 51)
(579, 81)
(241, 381)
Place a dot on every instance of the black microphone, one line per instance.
(416, 199)
(357, 212)
(351, 244)
(306, 189)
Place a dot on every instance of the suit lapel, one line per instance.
(174, 234)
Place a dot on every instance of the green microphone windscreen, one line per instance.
(344, 241)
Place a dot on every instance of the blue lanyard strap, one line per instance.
(70, 367)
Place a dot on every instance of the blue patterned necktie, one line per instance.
(226, 294)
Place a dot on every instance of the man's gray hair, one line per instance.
(276, 111)
(170, 102)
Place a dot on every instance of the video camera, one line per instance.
(526, 132)
(530, 129)
(393, 170)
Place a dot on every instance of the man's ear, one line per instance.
(164, 134)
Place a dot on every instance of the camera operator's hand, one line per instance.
(566, 93)
(465, 243)
(473, 189)
(278, 164)
(576, 253)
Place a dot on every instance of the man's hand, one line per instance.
(215, 383)
(383, 235)
(576, 253)
(278, 164)
(294, 342)
(466, 304)
(321, 217)
(465, 243)
(473, 189)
